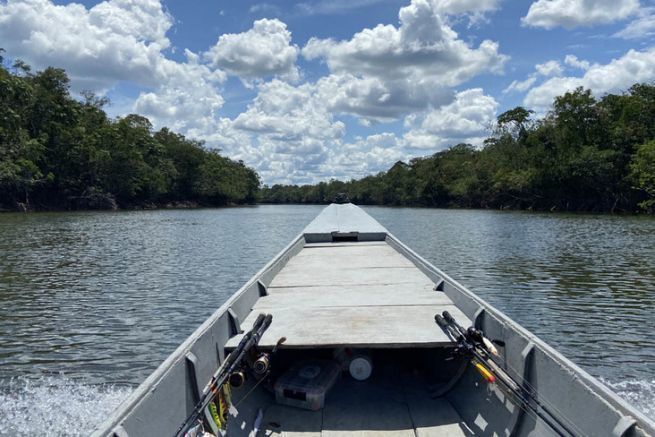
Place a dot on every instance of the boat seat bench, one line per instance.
(350, 295)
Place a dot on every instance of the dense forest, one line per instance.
(586, 154)
(57, 152)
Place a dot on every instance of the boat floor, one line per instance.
(363, 294)
(376, 407)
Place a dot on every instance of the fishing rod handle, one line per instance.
(258, 321)
(248, 340)
(262, 322)
(448, 317)
(266, 322)
(443, 324)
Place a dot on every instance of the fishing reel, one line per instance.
(257, 363)
(262, 364)
(238, 378)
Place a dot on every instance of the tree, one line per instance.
(515, 122)
(643, 174)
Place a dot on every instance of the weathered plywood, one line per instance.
(341, 257)
(349, 265)
(346, 277)
(344, 218)
(361, 326)
(346, 243)
(339, 294)
(354, 295)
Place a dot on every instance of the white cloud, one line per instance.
(365, 156)
(633, 67)
(465, 6)
(290, 127)
(186, 101)
(375, 98)
(265, 50)
(574, 62)
(385, 72)
(330, 7)
(641, 27)
(475, 11)
(288, 113)
(265, 9)
(112, 41)
(289, 135)
(549, 68)
(575, 13)
(521, 85)
(467, 120)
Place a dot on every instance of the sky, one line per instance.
(305, 91)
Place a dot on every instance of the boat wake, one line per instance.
(639, 393)
(56, 406)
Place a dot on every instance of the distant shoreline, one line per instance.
(191, 205)
(142, 207)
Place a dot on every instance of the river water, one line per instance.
(91, 303)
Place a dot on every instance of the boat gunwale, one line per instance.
(113, 423)
(593, 384)
(152, 381)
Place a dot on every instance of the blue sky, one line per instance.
(309, 90)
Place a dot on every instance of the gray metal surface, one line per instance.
(343, 219)
(390, 404)
(163, 401)
(360, 326)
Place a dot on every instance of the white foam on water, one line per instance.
(639, 393)
(56, 406)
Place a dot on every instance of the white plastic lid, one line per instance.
(360, 368)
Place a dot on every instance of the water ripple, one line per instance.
(583, 283)
(104, 297)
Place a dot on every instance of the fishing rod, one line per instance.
(473, 342)
(232, 363)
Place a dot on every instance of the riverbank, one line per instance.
(147, 206)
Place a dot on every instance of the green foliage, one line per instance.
(584, 155)
(60, 153)
(643, 174)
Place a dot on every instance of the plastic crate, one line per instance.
(306, 384)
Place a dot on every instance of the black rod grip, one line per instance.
(258, 321)
(448, 317)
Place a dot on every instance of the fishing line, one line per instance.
(463, 338)
(561, 419)
(532, 391)
(249, 391)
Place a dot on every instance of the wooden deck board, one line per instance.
(352, 295)
(347, 277)
(372, 326)
(355, 295)
(348, 265)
